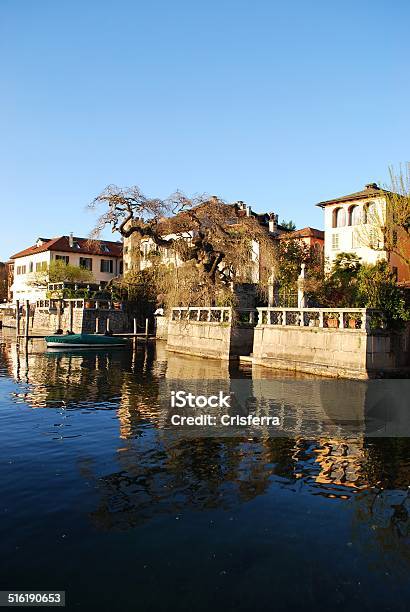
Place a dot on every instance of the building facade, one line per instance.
(102, 257)
(310, 237)
(353, 224)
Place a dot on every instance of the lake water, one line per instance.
(99, 500)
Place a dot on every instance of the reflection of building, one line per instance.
(341, 462)
(102, 258)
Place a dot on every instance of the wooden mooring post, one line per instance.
(146, 329)
(27, 319)
(17, 319)
(59, 305)
(71, 316)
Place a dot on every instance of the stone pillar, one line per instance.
(302, 300)
(273, 291)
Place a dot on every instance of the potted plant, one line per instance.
(69, 293)
(353, 320)
(85, 294)
(116, 301)
(332, 319)
(313, 319)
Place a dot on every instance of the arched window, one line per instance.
(368, 212)
(339, 217)
(354, 215)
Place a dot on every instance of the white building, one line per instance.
(102, 257)
(351, 223)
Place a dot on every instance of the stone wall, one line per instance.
(96, 321)
(161, 327)
(43, 321)
(7, 320)
(354, 353)
(206, 339)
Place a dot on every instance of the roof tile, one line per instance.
(370, 191)
(81, 245)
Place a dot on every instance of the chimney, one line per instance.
(372, 186)
(71, 240)
(273, 223)
(244, 207)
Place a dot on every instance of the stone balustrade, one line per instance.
(201, 314)
(80, 303)
(350, 319)
(214, 314)
(328, 318)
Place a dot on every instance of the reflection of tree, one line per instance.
(197, 474)
(169, 476)
(387, 462)
(386, 502)
(381, 522)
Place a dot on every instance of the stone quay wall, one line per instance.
(287, 339)
(210, 332)
(47, 319)
(161, 327)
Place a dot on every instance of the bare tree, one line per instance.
(387, 227)
(396, 231)
(220, 239)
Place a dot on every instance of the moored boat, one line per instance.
(84, 341)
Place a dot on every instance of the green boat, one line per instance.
(73, 341)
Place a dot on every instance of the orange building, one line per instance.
(309, 236)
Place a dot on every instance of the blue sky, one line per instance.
(278, 104)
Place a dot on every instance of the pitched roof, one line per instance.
(183, 222)
(80, 245)
(305, 232)
(372, 190)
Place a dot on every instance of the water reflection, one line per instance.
(153, 472)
